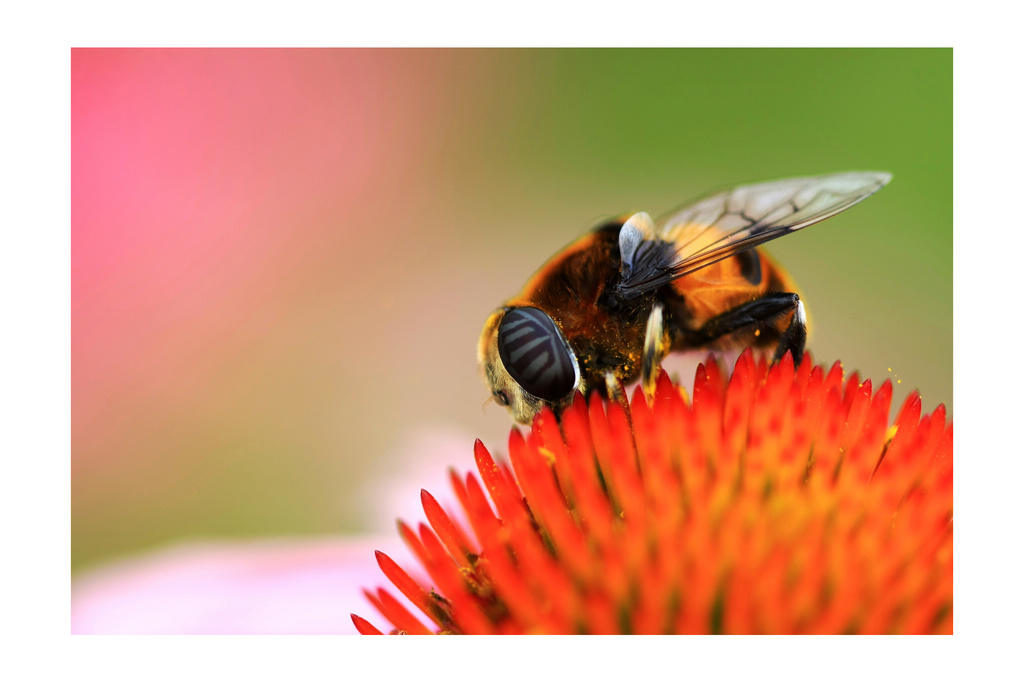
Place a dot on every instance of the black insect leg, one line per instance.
(794, 339)
(762, 317)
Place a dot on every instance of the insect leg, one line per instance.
(616, 392)
(656, 346)
(795, 337)
(762, 315)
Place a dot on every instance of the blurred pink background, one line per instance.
(252, 268)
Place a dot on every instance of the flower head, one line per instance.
(779, 500)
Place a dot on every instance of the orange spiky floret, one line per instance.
(778, 501)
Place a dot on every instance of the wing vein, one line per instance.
(706, 232)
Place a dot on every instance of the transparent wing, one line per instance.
(726, 223)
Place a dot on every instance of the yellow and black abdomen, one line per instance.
(712, 294)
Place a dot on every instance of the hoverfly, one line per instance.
(613, 303)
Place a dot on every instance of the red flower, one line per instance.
(778, 501)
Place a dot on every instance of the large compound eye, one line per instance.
(534, 354)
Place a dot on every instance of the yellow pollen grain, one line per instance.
(890, 433)
(547, 454)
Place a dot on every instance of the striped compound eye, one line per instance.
(536, 355)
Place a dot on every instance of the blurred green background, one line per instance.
(282, 259)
